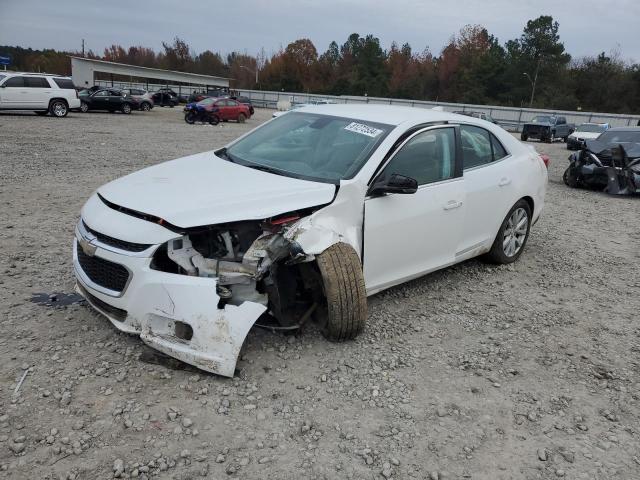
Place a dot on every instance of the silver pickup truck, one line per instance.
(547, 128)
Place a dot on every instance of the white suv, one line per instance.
(42, 93)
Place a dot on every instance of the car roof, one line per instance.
(387, 114)
(22, 74)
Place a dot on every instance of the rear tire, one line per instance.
(242, 118)
(345, 313)
(512, 235)
(58, 108)
(145, 107)
(190, 118)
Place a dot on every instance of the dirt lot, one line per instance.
(476, 372)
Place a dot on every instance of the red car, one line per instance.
(226, 109)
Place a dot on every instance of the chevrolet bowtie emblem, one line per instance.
(87, 247)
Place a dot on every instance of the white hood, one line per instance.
(586, 135)
(203, 189)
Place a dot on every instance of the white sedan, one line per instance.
(301, 219)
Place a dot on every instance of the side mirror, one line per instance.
(396, 183)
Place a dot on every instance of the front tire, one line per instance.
(345, 313)
(58, 108)
(512, 236)
(84, 107)
(126, 108)
(214, 120)
(524, 137)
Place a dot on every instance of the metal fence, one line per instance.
(511, 118)
(508, 117)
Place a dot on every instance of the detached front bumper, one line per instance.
(176, 314)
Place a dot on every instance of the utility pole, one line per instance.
(83, 48)
(534, 81)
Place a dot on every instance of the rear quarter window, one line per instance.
(65, 83)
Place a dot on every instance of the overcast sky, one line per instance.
(587, 27)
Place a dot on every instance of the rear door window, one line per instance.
(476, 146)
(36, 82)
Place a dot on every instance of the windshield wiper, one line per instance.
(264, 168)
(222, 153)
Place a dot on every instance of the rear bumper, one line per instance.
(74, 103)
(176, 314)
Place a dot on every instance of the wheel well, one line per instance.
(63, 99)
(529, 200)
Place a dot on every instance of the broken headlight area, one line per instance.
(251, 261)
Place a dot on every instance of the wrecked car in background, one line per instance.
(547, 128)
(584, 132)
(610, 162)
(300, 220)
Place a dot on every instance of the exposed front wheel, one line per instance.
(58, 108)
(126, 108)
(344, 314)
(213, 120)
(513, 234)
(84, 107)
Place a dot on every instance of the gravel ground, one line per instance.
(525, 371)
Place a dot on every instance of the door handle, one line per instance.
(451, 204)
(504, 181)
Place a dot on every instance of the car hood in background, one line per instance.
(585, 135)
(203, 189)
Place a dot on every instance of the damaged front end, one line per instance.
(197, 295)
(611, 170)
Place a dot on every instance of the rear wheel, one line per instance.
(145, 107)
(344, 314)
(513, 234)
(190, 118)
(126, 108)
(58, 108)
(241, 118)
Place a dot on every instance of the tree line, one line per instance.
(474, 67)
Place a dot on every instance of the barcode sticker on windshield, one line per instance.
(363, 129)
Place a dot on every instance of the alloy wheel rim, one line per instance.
(59, 109)
(515, 232)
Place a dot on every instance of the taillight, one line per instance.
(545, 159)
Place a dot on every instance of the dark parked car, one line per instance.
(165, 98)
(547, 128)
(245, 101)
(170, 91)
(110, 99)
(610, 162)
(481, 115)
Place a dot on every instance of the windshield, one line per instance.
(629, 136)
(591, 127)
(310, 146)
(543, 119)
(206, 101)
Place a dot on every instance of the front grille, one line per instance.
(114, 312)
(103, 272)
(114, 242)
